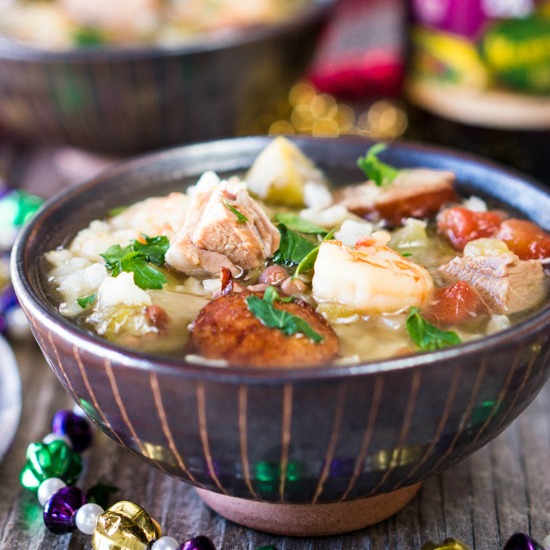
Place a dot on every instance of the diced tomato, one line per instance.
(455, 304)
(461, 225)
(525, 238)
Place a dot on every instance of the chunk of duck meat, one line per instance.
(506, 283)
(227, 329)
(225, 227)
(414, 193)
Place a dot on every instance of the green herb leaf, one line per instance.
(309, 261)
(86, 301)
(88, 36)
(270, 316)
(426, 336)
(271, 295)
(293, 247)
(241, 218)
(381, 173)
(136, 257)
(154, 248)
(296, 223)
(113, 255)
(145, 276)
(116, 211)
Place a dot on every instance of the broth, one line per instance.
(276, 267)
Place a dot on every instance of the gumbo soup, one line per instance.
(276, 267)
(65, 24)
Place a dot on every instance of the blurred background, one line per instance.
(83, 86)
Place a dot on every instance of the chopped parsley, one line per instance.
(86, 301)
(309, 261)
(289, 324)
(153, 248)
(241, 218)
(379, 172)
(88, 36)
(427, 336)
(293, 247)
(296, 223)
(137, 258)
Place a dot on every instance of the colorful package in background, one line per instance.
(483, 62)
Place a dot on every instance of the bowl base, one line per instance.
(309, 520)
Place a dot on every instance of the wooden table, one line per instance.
(501, 489)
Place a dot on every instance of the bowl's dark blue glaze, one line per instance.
(319, 435)
(122, 101)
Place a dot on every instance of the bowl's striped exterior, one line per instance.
(304, 442)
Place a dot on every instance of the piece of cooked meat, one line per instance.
(415, 193)
(506, 283)
(225, 227)
(226, 329)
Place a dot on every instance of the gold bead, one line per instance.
(125, 526)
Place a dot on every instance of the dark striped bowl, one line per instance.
(126, 101)
(315, 451)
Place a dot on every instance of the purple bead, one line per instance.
(75, 427)
(7, 299)
(61, 508)
(198, 543)
(520, 541)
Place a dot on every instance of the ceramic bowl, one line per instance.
(299, 452)
(123, 101)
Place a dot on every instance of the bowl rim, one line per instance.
(48, 315)
(316, 11)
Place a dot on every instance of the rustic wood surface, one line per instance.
(501, 489)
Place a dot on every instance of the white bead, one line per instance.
(57, 437)
(18, 326)
(165, 543)
(48, 488)
(86, 517)
(77, 409)
(546, 542)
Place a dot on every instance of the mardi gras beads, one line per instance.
(447, 544)
(16, 208)
(53, 466)
(521, 541)
(518, 541)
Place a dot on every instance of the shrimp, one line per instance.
(370, 278)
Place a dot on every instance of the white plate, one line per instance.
(10, 396)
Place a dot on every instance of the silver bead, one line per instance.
(165, 543)
(55, 437)
(48, 488)
(86, 517)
